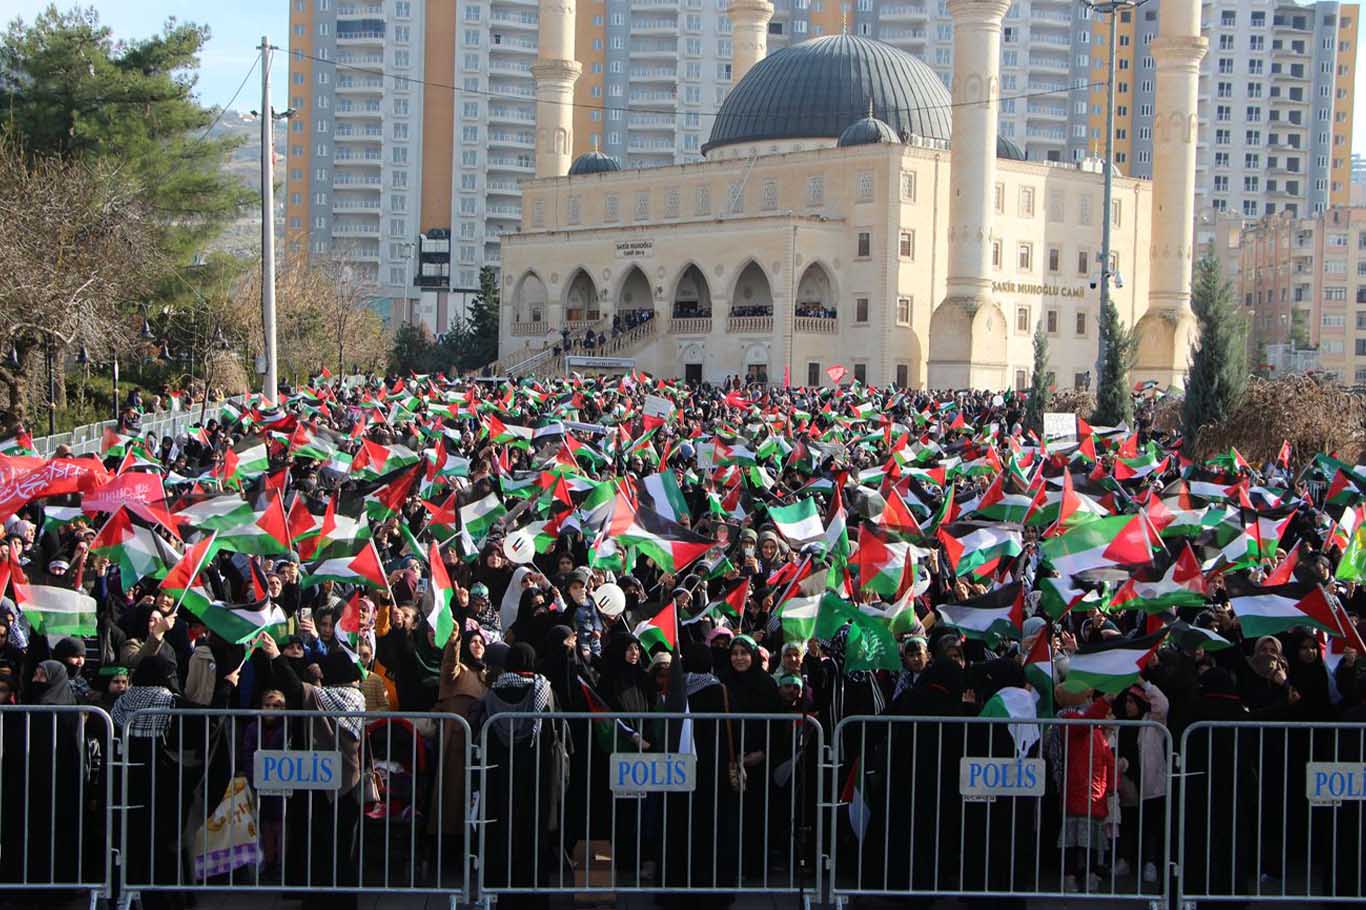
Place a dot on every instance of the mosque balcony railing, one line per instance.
(816, 325)
(583, 325)
(529, 329)
(690, 325)
(749, 324)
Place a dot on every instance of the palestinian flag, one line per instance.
(860, 812)
(1273, 609)
(738, 454)
(237, 623)
(55, 611)
(732, 605)
(138, 552)
(999, 612)
(799, 523)
(662, 494)
(503, 434)
(387, 500)
(1065, 510)
(672, 546)
(1115, 540)
(180, 580)
(245, 462)
(374, 461)
(1266, 530)
(1181, 585)
(19, 444)
(1345, 531)
(610, 734)
(1188, 638)
(978, 549)
(364, 568)
(1112, 666)
(999, 506)
(479, 517)
(441, 618)
(266, 533)
(1038, 670)
(1020, 705)
(885, 566)
(215, 513)
(660, 629)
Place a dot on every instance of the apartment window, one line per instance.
(1050, 322)
(861, 310)
(1022, 320)
(865, 245)
(1025, 257)
(903, 310)
(1081, 323)
(908, 244)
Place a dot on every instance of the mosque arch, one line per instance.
(635, 292)
(816, 293)
(581, 297)
(530, 299)
(692, 294)
(752, 294)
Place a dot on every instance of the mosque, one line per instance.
(850, 212)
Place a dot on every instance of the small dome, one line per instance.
(868, 131)
(1008, 150)
(593, 163)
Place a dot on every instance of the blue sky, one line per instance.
(237, 26)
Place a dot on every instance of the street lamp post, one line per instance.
(1113, 9)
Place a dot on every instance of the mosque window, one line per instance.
(908, 244)
(903, 375)
(702, 201)
(861, 372)
(1022, 320)
(1081, 323)
(671, 202)
(908, 186)
(903, 310)
(815, 190)
(642, 206)
(574, 213)
(1026, 202)
(1054, 259)
(1083, 262)
(1026, 257)
(735, 194)
(1050, 322)
(996, 254)
(813, 373)
(860, 309)
(611, 208)
(1084, 210)
(999, 199)
(770, 196)
(865, 245)
(1057, 209)
(865, 187)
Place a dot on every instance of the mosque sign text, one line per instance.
(1042, 290)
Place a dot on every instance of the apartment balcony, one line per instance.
(1046, 134)
(503, 211)
(1050, 63)
(749, 325)
(514, 45)
(368, 134)
(653, 74)
(654, 26)
(514, 20)
(356, 229)
(905, 35)
(1043, 85)
(503, 188)
(645, 4)
(362, 11)
(521, 165)
(657, 146)
(354, 85)
(503, 89)
(646, 49)
(359, 180)
(510, 115)
(358, 206)
(1037, 110)
(1289, 74)
(512, 67)
(650, 122)
(534, 4)
(354, 111)
(816, 325)
(906, 12)
(368, 157)
(697, 325)
(512, 140)
(376, 60)
(652, 97)
(1286, 101)
(360, 254)
(1049, 19)
(1050, 38)
(350, 39)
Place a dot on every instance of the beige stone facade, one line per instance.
(863, 228)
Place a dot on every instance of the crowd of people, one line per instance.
(785, 558)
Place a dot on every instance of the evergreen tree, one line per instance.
(415, 351)
(1114, 401)
(1218, 371)
(482, 346)
(1039, 394)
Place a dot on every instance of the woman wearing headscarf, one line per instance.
(523, 843)
(322, 856)
(587, 803)
(751, 690)
(461, 689)
(153, 823)
(410, 652)
(626, 687)
(534, 617)
(43, 783)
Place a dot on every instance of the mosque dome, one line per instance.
(824, 88)
(813, 90)
(868, 131)
(593, 163)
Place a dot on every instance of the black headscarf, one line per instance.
(156, 670)
(753, 691)
(57, 690)
(561, 665)
(530, 626)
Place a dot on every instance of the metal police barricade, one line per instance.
(653, 802)
(1273, 812)
(55, 800)
(1000, 807)
(295, 801)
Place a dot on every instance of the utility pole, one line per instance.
(270, 382)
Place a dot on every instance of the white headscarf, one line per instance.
(512, 597)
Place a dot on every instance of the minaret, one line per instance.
(967, 331)
(749, 35)
(1167, 330)
(555, 72)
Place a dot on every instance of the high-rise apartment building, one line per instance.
(414, 120)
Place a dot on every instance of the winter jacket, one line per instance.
(1090, 766)
(1152, 748)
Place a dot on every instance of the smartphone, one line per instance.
(305, 614)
